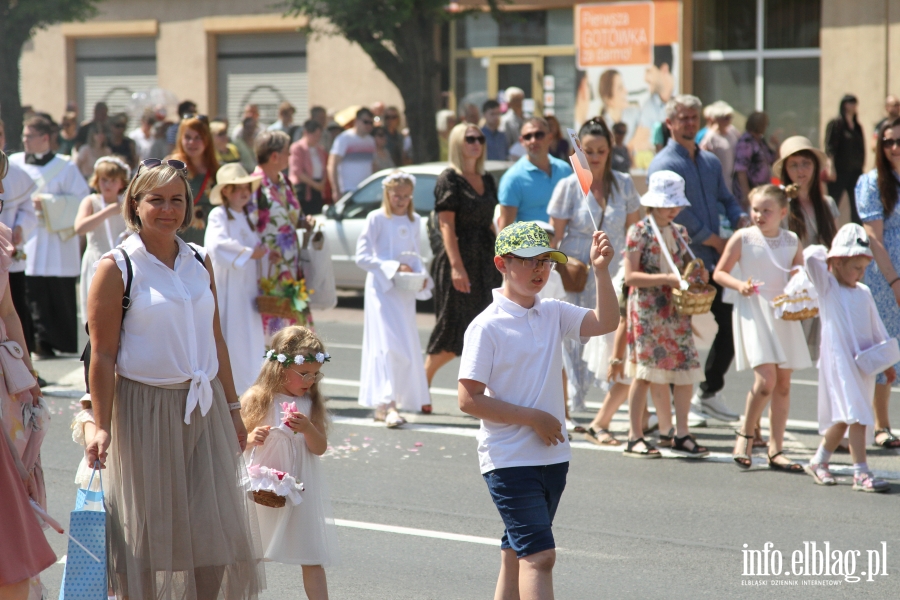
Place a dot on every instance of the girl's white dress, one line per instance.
(845, 392)
(392, 366)
(83, 475)
(230, 242)
(302, 534)
(101, 240)
(759, 337)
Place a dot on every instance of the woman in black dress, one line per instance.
(463, 269)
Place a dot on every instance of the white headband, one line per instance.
(398, 176)
(116, 161)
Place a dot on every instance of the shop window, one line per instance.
(724, 25)
(562, 69)
(477, 30)
(775, 69)
(731, 80)
(523, 28)
(516, 28)
(792, 97)
(793, 23)
(560, 27)
(471, 82)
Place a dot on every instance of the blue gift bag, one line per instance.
(84, 578)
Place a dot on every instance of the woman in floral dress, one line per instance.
(278, 215)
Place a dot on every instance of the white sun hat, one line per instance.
(665, 189)
(851, 240)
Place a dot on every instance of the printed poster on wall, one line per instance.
(628, 57)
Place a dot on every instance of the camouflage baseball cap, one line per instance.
(526, 239)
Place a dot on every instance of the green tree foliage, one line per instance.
(19, 19)
(401, 37)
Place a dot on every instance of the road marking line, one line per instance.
(471, 432)
(356, 384)
(345, 346)
(440, 535)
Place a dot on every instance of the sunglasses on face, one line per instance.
(152, 163)
(533, 263)
(474, 139)
(889, 144)
(366, 122)
(537, 135)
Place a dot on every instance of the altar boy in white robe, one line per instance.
(52, 257)
(235, 250)
(393, 372)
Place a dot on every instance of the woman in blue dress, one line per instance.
(877, 195)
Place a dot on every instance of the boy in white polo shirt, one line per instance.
(511, 379)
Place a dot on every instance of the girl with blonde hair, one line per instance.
(392, 373)
(288, 423)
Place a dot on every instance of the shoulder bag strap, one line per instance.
(129, 277)
(197, 254)
(662, 245)
(202, 188)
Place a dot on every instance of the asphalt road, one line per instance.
(416, 521)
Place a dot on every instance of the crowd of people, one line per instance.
(545, 289)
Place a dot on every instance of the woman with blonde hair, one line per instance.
(463, 269)
(194, 147)
(168, 419)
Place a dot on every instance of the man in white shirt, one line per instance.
(143, 135)
(352, 152)
(510, 377)
(52, 262)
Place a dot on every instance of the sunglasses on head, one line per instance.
(537, 135)
(474, 139)
(152, 163)
(890, 143)
(202, 118)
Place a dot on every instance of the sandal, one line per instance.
(866, 482)
(890, 442)
(665, 439)
(393, 419)
(680, 448)
(426, 409)
(758, 441)
(789, 467)
(652, 424)
(648, 452)
(743, 459)
(601, 437)
(820, 473)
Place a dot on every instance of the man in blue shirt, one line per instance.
(525, 189)
(497, 146)
(709, 196)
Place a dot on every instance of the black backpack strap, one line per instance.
(129, 277)
(196, 254)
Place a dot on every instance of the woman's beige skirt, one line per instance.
(179, 528)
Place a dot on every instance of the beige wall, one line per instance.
(340, 73)
(856, 58)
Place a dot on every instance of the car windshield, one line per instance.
(368, 198)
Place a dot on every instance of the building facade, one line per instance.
(793, 59)
(222, 54)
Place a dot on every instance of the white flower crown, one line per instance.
(116, 161)
(398, 176)
(319, 357)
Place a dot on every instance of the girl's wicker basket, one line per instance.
(698, 298)
(268, 498)
(275, 306)
(794, 308)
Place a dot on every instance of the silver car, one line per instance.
(343, 222)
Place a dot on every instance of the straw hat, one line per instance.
(795, 144)
(232, 174)
(665, 190)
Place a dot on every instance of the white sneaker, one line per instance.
(713, 407)
(696, 418)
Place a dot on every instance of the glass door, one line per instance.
(524, 72)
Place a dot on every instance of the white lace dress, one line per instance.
(760, 338)
(302, 534)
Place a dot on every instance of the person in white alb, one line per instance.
(52, 258)
(17, 213)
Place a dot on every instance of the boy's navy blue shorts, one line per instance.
(527, 498)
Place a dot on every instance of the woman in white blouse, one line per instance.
(166, 409)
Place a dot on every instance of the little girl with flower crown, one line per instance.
(286, 398)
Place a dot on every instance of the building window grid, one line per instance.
(759, 55)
